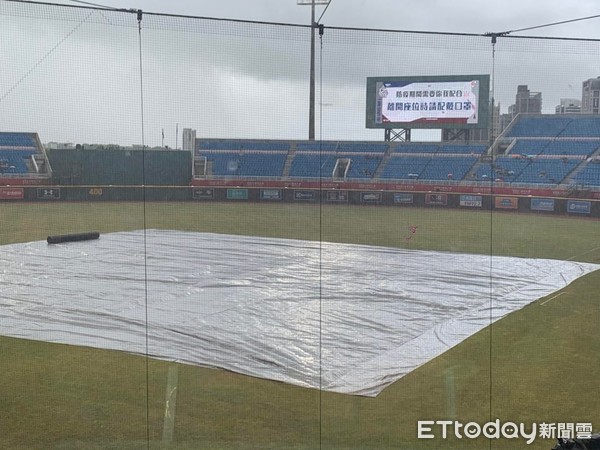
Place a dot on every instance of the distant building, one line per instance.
(189, 139)
(590, 96)
(526, 102)
(568, 106)
(59, 145)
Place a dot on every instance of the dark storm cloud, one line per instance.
(251, 80)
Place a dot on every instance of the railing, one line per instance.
(564, 187)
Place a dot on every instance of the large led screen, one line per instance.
(428, 102)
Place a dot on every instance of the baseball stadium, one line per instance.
(421, 266)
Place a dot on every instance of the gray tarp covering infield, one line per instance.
(361, 317)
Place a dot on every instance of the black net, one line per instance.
(270, 277)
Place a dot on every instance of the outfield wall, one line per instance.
(428, 199)
(120, 167)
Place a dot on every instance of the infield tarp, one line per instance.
(346, 318)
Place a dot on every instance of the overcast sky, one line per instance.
(472, 16)
(73, 74)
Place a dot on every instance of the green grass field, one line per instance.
(538, 364)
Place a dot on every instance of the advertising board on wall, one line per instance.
(270, 194)
(337, 196)
(403, 197)
(542, 204)
(579, 206)
(237, 194)
(471, 201)
(506, 202)
(48, 193)
(370, 197)
(203, 193)
(304, 195)
(12, 193)
(436, 199)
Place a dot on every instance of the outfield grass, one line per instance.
(539, 364)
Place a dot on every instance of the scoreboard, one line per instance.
(460, 101)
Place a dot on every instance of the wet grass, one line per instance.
(538, 364)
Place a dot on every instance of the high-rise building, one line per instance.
(189, 139)
(568, 106)
(590, 96)
(526, 102)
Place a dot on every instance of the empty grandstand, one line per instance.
(22, 159)
(539, 152)
(546, 149)
(334, 159)
(536, 150)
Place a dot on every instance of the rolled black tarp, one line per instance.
(73, 237)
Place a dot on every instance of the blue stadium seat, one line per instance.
(313, 165)
(13, 161)
(556, 126)
(530, 146)
(528, 170)
(582, 127)
(447, 168)
(242, 144)
(267, 164)
(414, 147)
(589, 175)
(539, 126)
(316, 146)
(405, 167)
(363, 166)
(17, 140)
(468, 149)
(362, 147)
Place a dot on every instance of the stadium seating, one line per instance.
(316, 146)
(475, 149)
(536, 156)
(17, 140)
(530, 146)
(13, 161)
(363, 166)
(528, 170)
(362, 147)
(556, 126)
(255, 164)
(405, 167)
(582, 127)
(539, 126)
(546, 171)
(567, 147)
(313, 165)
(589, 175)
(484, 172)
(342, 146)
(447, 168)
(242, 144)
(437, 148)
(411, 148)
(508, 169)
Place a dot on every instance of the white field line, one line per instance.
(552, 298)
(584, 253)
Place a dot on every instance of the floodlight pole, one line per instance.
(311, 94)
